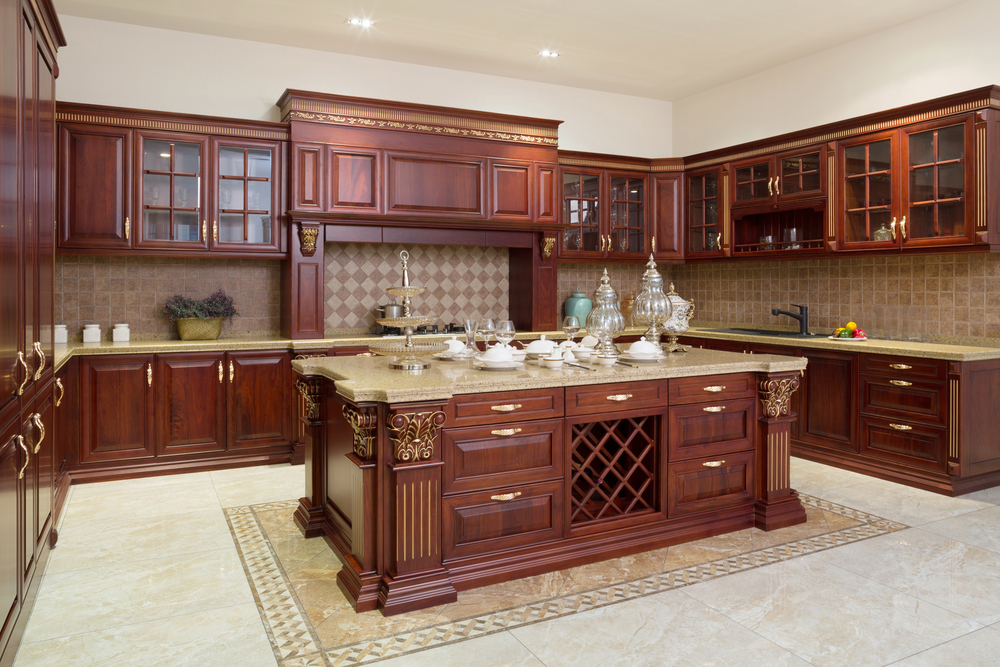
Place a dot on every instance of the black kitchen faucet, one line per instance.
(802, 316)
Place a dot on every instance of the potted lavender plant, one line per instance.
(200, 319)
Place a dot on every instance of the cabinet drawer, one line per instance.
(905, 442)
(618, 397)
(711, 388)
(907, 399)
(486, 457)
(905, 367)
(708, 429)
(506, 406)
(709, 483)
(486, 521)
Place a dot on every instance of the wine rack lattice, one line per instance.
(614, 469)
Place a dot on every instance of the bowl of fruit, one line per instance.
(851, 332)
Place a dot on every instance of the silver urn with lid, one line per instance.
(605, 321)
(678, 322)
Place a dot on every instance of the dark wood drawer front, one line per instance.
(709, 483)
(905, 398)
(711, 388)
(486, 457)
(905, 442)
(905, 367)
(486, 521)
(708, 429)
(622, 396)
(507, 406)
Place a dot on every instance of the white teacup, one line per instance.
(552, 362)
(582, 353)
(602, 360)
(499, 355)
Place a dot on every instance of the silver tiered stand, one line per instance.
(408, 350)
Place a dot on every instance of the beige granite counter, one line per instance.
(943, 351)
(361, 379)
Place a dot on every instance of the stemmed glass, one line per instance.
(487, 328)
(570, 326)
(505, 331)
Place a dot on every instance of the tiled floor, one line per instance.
(146, 573)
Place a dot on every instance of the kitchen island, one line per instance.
(452, 478)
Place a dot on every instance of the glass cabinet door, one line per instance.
(627, 216)
(171, 193)
(868, 168)
(800, 175)
(753, 181)
(582, 232)
(704, 228)
(246, 195)
(937, 184)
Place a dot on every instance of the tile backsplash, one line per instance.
(461, 281)
(625, 278)
(931, 295)
(109, 290)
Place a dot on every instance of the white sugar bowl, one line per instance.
(643, 349)
(540, 347)
(454, 346)
(498, 355)
(552, 362)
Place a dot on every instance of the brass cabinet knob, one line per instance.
(777, 190)
(204, 230)
(504, 497)
(507, 407)
(215, 230)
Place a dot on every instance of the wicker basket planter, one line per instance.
(195, 328)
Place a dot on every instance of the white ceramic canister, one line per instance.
(120, 333)
(91, 333)
(59, 335)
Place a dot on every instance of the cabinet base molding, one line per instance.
(401, 594)
(781, 513)
(361, 589)
(8, 650)
(155, 467)
(309, 519)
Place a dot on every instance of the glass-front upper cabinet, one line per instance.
(797, 174)
(870, 205)
(582, 234)
(171, 192)
(938, 183)
(753, 181)
(246, 195)
(705, 235)
(627, 226)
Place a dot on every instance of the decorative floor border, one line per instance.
(295, 643)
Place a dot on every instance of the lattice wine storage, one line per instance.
(614, 469)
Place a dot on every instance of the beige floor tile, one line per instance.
(271, 520)
(829, 616)
(815, 478)
(839, 521)
(497, 650)
(952, 575)
(976, 649)
(345, 626)
(133, 539)
(981, 529)
(708, 549)
(913, 507)
(612, 571)
(137, 484)
(991, 496)
(100, 598)
(264, 484)
(488, 599)
(661, 630)
(294, 550)
(815, 525)
(155, 501)
(226, 637)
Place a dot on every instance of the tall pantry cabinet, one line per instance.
(29, 37)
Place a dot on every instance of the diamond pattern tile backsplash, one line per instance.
(461, 281)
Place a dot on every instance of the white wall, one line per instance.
(133, 66)
(947, 52)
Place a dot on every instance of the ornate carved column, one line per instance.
(777, 505)
(302, 284)
(309, 514)
(414, 577)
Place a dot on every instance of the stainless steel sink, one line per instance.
(763, 332)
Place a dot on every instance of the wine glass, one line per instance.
(570, 326)
(227, 198)
(155, 195)
(505, 331)
(487, 328)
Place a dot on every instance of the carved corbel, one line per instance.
(309, 388)
(548, 245)
(776, 395)
(307, 239)
(364, 423)
(413, 434)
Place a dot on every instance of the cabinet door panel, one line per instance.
(246, 192)
(905, 442)
(617, 397)
(510, 190)
(545, 184)
(45, 309)
(190, 403)
(257, 400)
(308, 167)
(903, 399)
(829, 404)
(171, 191)
(705, 484)
(29, 499)
(356, 176)
(484, 457)
(44, 455)
(11, 460)
(116, 408)
(431, 184)
(868, 199)
(95, 168)
(709, 429)
(666, 236)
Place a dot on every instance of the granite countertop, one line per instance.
(361, 379)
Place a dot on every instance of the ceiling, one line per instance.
(659, 49)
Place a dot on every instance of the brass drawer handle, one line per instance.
(37, 418)
(504, 497)
(62, 391)
(41, 364)
(507, 407)
(715, 389)
(901, 427)
(149, 374)
(220, 372)
(204, 230)
(619, 397)
(128, 228)
(902, 227)
(27, 456)
(714, 408)
(770, 188)
(900, 367)
(712, 464)
(232, 371)
(27, 373)
(901, 383)
(506, 431)
(215, 230)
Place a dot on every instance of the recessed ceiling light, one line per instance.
(545, 53)
(364, 23)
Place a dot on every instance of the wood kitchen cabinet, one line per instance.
(171, 193)
(245, 193)
(12, 458)
(604, 214)
(706, 201)
(781, 177)
(182, 411)
(666, 234)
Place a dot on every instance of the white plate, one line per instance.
(514, 366)
(448, 357)
(625, 356)
(847, 339)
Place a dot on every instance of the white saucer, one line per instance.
(625, 356)
(513, 366)
(851, 340)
